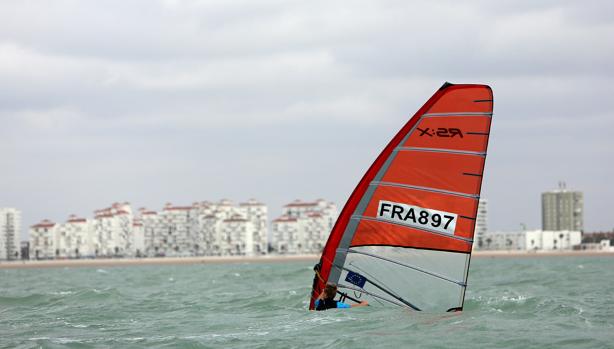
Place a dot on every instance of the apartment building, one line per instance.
(303, 227)
(562, 209)
(10, 233)
(42, 240)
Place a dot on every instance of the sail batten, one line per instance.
(442, 150)
(416, 187)
(456, 114)
(370, 294)
(380, 286)
(460, 283)
(408, 226)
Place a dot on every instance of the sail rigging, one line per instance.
(404, 236)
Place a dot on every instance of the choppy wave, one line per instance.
(545, 303)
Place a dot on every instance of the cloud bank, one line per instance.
(155, 101)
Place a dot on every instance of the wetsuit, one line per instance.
(329, 304)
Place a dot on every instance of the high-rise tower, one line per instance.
(562, 209)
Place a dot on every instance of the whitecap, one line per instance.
(134, 339)
(38, 338)
(63, 340)
(261, 333)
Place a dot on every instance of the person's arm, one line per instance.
(361, 304)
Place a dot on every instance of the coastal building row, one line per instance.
(205, 229)
(221, 228)
(108, 234)
(201, 229)
(562, 226)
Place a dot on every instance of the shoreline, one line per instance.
(119, 262)
(541, 253)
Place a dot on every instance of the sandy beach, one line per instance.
(109, 262)
(529, 254)
(101, 262)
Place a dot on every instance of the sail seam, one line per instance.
(384, 289)
(371, 294)
(389, 293)
(460, 283)
(458, 114)
(433, 190)
(442, 150)
(411, 247)
(467, 217)
(373, 219)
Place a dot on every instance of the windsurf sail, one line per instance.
(404, 237)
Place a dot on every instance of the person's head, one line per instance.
(330, 291)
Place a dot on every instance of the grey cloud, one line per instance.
(189, 100)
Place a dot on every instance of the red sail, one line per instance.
(417, 203)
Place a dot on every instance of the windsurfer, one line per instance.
(326, 300)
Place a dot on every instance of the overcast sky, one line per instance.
(181, 101)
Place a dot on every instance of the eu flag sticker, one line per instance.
(356, 279)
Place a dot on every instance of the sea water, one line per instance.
(539, 302)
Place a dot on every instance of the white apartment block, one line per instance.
(246, 225)
(42, 240)
(256, 213)
(552, 240)
(500, 241)
(209, 227)
(108, 234)
(236, 236)
(175, 236)
(287, 235)
(303, 227)
(149, 221)
(208, 222)
(112, 231)
(73, 239)
(10, 231)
